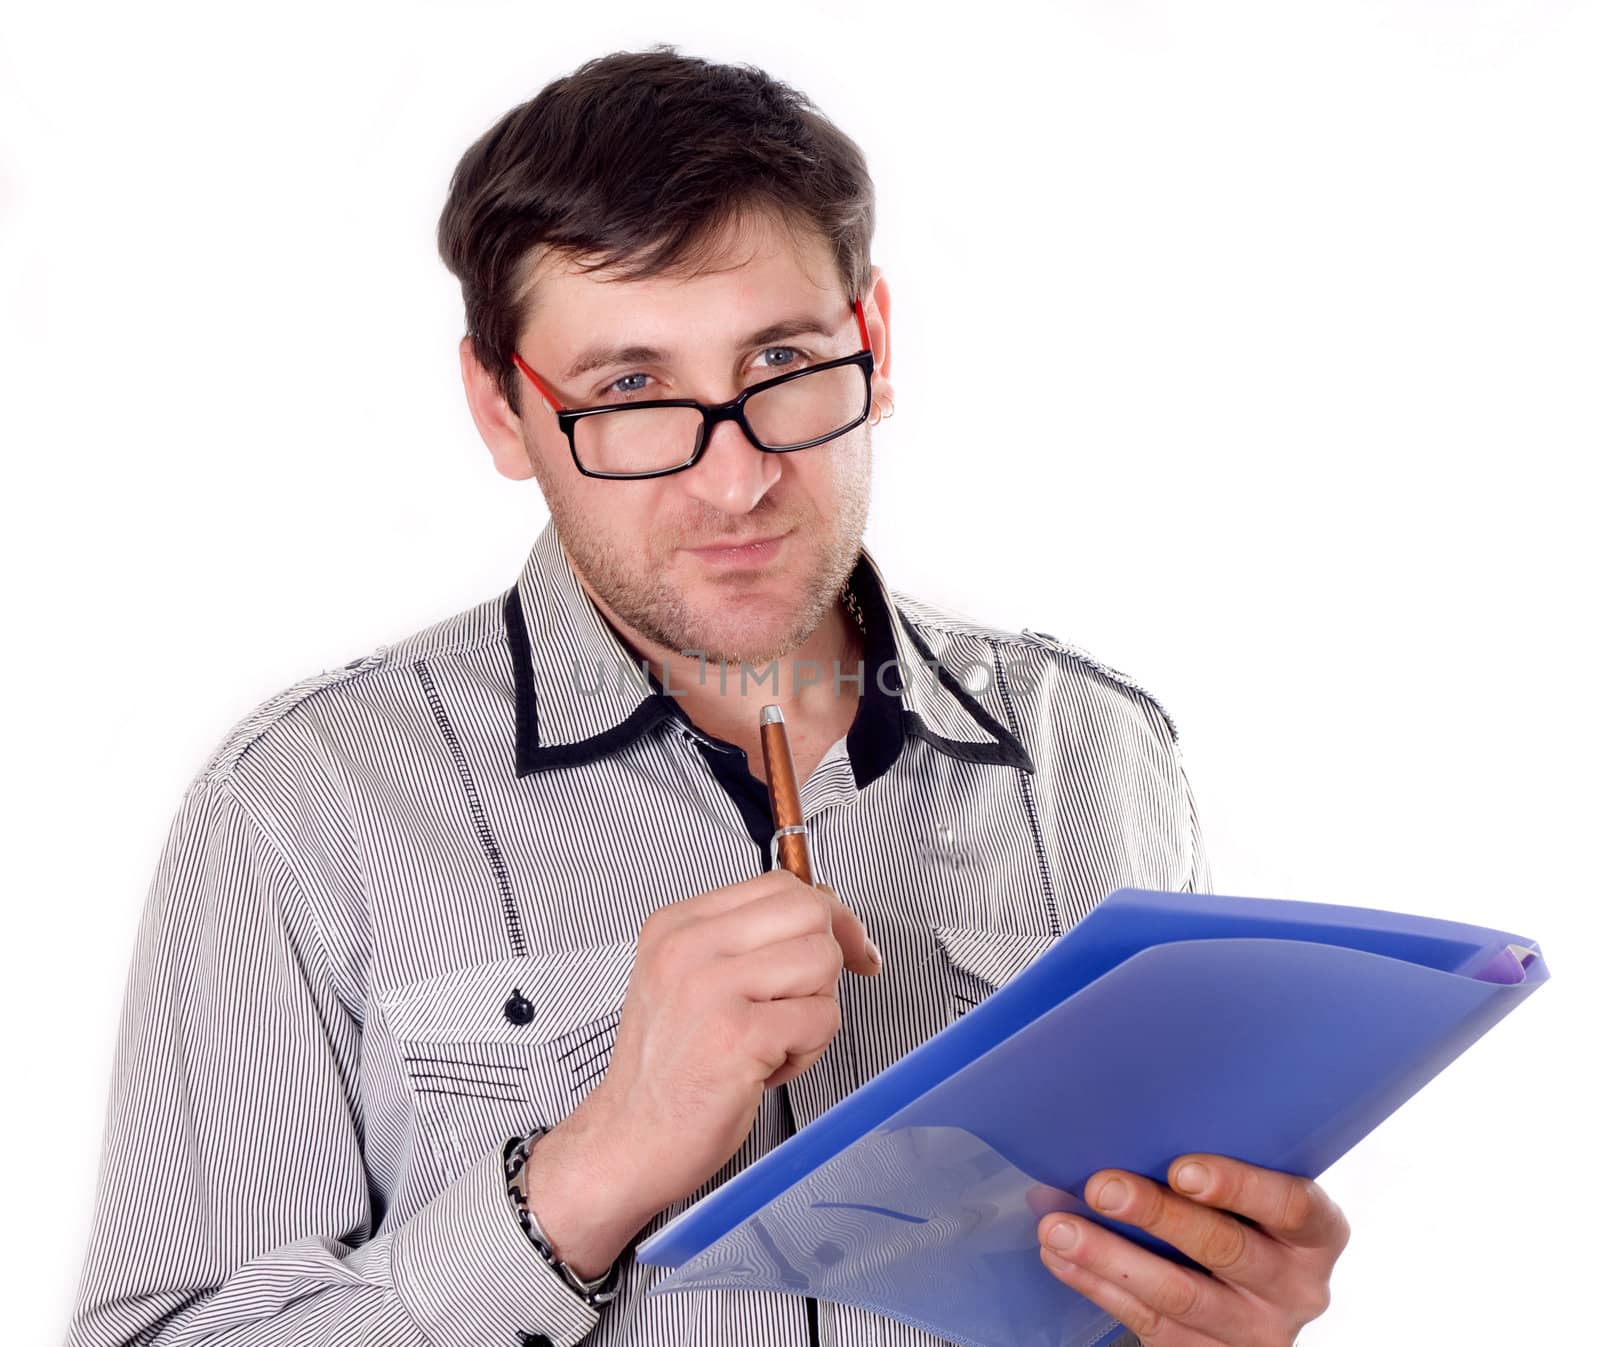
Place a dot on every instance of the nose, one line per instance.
(732, 475)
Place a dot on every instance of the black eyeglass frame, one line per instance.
(710, 415)
(567, 418)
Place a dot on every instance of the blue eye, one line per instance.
(782, 351)
(626, 384)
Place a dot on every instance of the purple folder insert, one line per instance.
(1278, 1032)
(1508, 966)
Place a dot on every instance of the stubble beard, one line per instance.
(635, 586)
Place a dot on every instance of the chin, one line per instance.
(740, 647)
(754, 642)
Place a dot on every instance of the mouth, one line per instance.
(757, 552)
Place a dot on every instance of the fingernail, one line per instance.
(1191, 1178)
(873, 954)
(1113, 1193)
(1062, 1237)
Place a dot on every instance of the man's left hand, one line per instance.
(1270, 1271)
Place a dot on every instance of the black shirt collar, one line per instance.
(580, 694)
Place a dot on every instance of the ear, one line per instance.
(500, 427)
(875, 304)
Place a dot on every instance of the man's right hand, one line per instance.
(733, 992)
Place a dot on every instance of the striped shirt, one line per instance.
(393, 922)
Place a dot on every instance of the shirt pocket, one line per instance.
(488, 1051)
(978, 960)
(934, 974)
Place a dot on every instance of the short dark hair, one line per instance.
(637, 159)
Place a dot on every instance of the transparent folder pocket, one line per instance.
(927, 1224)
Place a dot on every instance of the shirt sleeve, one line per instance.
(233, 1207)
(1199, 880)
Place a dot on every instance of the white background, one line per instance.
(1251, 347)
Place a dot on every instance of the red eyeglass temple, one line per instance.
(555, 402)
(861, 322)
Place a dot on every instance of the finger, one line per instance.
(1293, 1210)
(807, 965)
(794, 1032)
(1161, 1301)
(860, 954)
(1214, 1239)
(1152, 1328)
(788, 911)
(736, 895)
(712, 902)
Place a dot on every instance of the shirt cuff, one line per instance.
(468, 1274)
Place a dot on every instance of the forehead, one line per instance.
(738, 278)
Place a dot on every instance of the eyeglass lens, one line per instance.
(651, 439)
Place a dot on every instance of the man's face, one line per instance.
(634, 543)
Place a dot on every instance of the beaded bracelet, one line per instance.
(595, 1292)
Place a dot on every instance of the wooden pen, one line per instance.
(783, 791)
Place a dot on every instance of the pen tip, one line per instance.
(772, 715)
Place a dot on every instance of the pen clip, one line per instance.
(811, 850)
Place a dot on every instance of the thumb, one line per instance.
(861, 956)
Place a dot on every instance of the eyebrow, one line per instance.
(603, 357)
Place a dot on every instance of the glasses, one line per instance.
(796, 410)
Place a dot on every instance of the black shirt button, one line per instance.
(519, 1010)
(537, 1340)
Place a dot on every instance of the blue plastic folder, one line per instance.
(1278, 1032)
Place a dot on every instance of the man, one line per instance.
(463, 968)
